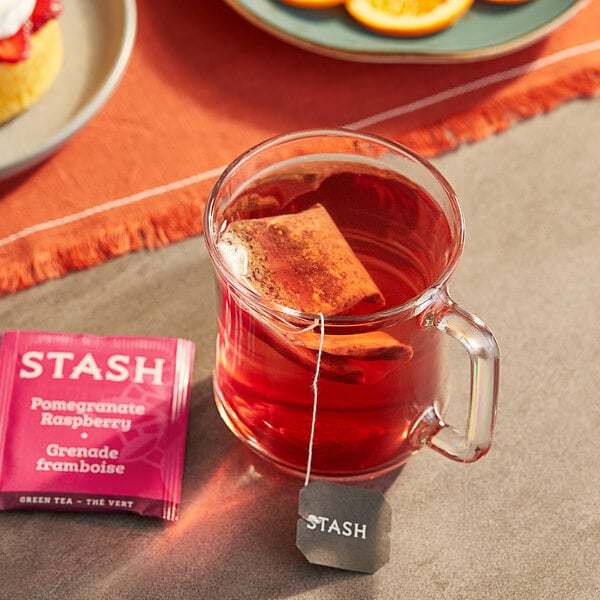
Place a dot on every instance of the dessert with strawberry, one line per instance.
(31, 52)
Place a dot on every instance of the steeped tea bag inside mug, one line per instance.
(302, 261)
(299, 260)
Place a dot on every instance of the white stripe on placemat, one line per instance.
(476, 84)
(100, 208)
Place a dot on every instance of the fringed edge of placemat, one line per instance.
(152, 232)
(497, 115)
(184, 219)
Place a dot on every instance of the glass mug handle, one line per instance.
(472, 443)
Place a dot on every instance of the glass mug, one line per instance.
(376, 407)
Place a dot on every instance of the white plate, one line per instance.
(98, 38)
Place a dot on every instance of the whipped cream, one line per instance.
(13, 13)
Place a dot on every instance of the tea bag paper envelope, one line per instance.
(302, 261)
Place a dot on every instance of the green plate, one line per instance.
(487, 30)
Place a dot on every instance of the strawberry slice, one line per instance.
(45, 10)
(16, 48)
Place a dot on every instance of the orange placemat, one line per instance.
(203, 85)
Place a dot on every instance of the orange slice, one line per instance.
(313, 3)
(411, 18)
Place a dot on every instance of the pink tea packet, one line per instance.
(93, 423)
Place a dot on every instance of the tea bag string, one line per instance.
(320, 322)
(315, 388)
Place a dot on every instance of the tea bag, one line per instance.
(303, 261)
(299, 260)
(340, 353)
(366, 346)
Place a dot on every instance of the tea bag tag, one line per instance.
(343, 527)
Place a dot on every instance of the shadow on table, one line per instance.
(238, 521)
(235, 537)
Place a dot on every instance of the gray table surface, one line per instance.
(522, 523)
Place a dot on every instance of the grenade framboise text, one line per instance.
(105, 453)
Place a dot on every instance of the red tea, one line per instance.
(367, 404)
